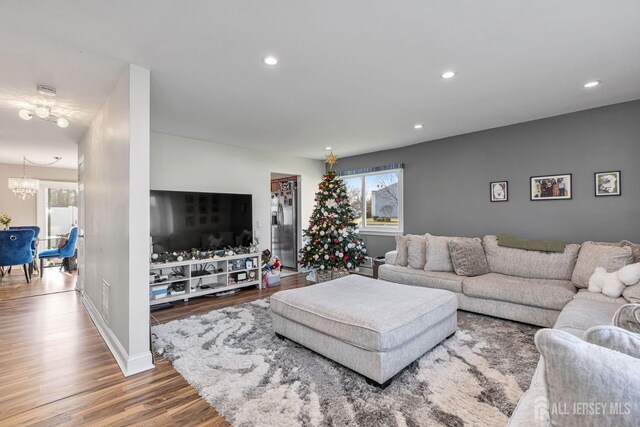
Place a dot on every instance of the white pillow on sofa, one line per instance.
(630, 274)
(614, 338)
(416, 251)
(583, 377)
(607, 283)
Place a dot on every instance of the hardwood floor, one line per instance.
(14, 286)
(55, 369)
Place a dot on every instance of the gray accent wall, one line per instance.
(446, 181)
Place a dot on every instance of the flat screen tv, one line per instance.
(181, 220)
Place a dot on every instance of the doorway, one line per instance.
(285, 220)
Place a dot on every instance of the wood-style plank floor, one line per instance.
(55, 369)
(14, 285)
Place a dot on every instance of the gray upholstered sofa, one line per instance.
(525, 286)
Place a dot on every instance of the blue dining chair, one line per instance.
(34, 245)
(67, 251)
(15, 249)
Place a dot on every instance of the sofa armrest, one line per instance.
(390, 257)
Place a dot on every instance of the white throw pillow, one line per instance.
(630, 274)
(607, 283)
(583, 377)
(402, 252)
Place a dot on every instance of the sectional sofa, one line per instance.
(531, 287)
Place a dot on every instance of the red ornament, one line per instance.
(346, 257)
(331, 257)
(337, 200)
(335, 240)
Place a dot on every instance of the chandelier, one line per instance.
(25, 187)
(42, 111)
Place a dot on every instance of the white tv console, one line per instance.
(188, 273)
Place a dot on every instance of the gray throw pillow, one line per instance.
(438, 258)
(635, 248)
(416, 248)
(592, 255)
(632, 293)
(628, 317)
(588, 385)
(402, 251)
(614, 338)
(468, 258)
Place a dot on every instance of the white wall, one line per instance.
(115, 150)
(23, 212)
(185, 164)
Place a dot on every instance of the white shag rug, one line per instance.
(252, 378)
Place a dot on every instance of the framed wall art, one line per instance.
(551, 187)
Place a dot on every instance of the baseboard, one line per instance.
(129, 365)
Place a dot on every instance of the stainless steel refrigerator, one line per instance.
(284, 224)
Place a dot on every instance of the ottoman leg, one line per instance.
(377, 384)
(281, 336)
(452, 334)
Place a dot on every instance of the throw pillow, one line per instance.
(402, 251)
(468, 258)
(607, 283)
(628, 317)
(635, 248)
(63, 239)
(630, 274)
(614, 338)
(417, 248)
(588, 385)
(592, 255)
(632, 293)
(438, 258)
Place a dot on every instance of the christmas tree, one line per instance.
(332, 242)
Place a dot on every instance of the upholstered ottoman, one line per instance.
(374, 327)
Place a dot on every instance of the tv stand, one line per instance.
(203, 277)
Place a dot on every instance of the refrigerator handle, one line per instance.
(280, 214)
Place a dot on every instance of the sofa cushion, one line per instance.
(468, 258)
(593, 255)
(428, 279)
(416, 248)
(628, 317)
(355, 309)
(530, 264)
(597, 296)
(581, 375)
(438, 257)
(402, 251)
(581, 314)
(543, 293)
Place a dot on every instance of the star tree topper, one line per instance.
(331, 159)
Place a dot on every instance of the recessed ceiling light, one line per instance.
(62, 122)
(327, 148)
(448, 74)
(417, 126)
(593, 83)
(270, 60)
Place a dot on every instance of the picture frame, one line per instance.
(551, 187)
(608, 183)
(499, 191)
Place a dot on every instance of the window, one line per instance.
(376, 198)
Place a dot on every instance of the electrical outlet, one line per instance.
(106, 295)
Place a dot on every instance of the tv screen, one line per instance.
(182, 221)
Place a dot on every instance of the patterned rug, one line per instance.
(252, 378)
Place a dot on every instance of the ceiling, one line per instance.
(355, 75)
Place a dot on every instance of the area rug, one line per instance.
(252, 378)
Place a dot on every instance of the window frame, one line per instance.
(380, 230)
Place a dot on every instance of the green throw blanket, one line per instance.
(509, 241)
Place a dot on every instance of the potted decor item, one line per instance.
(5, 220)
(271, 266)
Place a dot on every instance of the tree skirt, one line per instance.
(236, 363)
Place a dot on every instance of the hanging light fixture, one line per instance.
(43, 112)
(25, 187)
